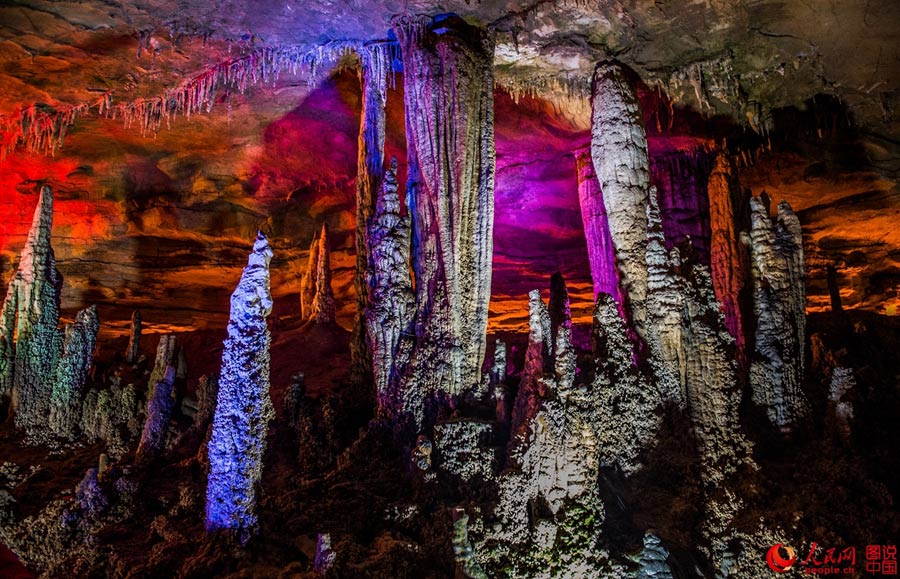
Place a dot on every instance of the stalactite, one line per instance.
(448, 90)
(72, 372)
(323, 302)
(134, 339)
(729, 257)
(601, 253)
(779, 305)
(29, 340)
(376, 62)
(42, 129)
(308, 282)
(391, 298)
(243, 408)
(622, 164)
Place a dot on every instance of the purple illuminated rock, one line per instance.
(601, 252)
(159, 411)
(243, 408)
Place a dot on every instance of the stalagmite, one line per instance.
(391, 299)
(596, 228)
(134, 340)
(29, 340)
(548, 514)
(375, 63)
(622, 164)
(843, 382)
(448, 91)
(692, 353)
(323, 302)
(779, 304)
(834, 291)
(308, 283)
(159, 411)
(243, 408)
(531, 387)
(729, 259)
(72, 372)
(629, 408)
(166, 355)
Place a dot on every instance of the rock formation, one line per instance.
(689, 343)
(29, 339)
(134, 339)
(72, 372)
(159, 411)
(840, 391)
(601, 252)
(323, 301)
(448, 91)
(166, 355)
(653, 559)
(629, 406)
(779, 305)
(391, 299)
(729, 259)
(622, 165)
(548, 513)
(308, 282)
(375, 63)
(243, 408)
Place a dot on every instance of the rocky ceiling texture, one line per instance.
(187, 125)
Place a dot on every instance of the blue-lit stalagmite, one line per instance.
(243, 408)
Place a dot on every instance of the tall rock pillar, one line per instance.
(30, 342)
(375, 63)
(243, 406)
(622, 163)
(449, 92)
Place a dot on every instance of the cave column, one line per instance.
(449, 88)
(375, 63)
(622, 164)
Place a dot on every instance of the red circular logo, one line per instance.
(778, 563)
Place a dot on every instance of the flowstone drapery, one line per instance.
(448, 91)
(243, 407)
